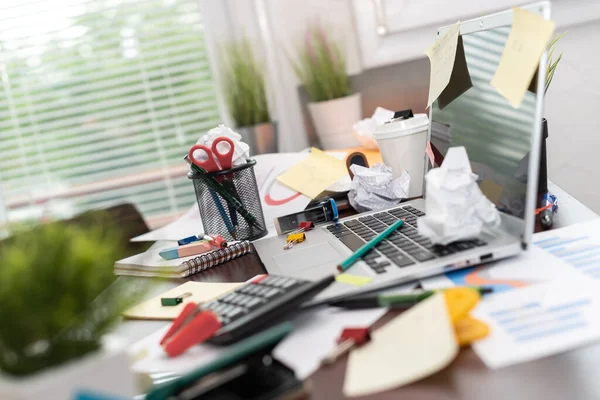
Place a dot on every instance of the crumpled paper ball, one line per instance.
(455, 206)
(375, 188)
(241, 152)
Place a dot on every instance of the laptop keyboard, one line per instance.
(402, 248)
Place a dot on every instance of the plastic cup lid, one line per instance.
(402, 127)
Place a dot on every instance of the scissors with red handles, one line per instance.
(216, 160)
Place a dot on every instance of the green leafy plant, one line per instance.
(58, 294)
(552, 64)
(321, 66)
(244, 84)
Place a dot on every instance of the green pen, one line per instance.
(364, 249)
(396, 301)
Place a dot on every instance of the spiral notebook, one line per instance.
(150, 263)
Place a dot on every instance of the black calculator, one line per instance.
(259, 303)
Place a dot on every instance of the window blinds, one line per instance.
(100, 101)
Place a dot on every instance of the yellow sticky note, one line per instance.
(314, 174)
(441, 59)
(353, 279)
(525, 45)
(201, 292)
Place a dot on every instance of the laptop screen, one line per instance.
(496, 135)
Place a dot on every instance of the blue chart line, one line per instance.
(533, 321)
(578, 251)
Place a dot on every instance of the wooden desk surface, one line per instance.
(570, 375)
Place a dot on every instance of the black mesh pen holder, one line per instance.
(229, 202)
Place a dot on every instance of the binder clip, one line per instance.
(298, 236)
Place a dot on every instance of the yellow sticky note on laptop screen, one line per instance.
(441, 59)
(525, 45)
(314, 174)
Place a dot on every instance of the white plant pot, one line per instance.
(105, 372)
(333, 121)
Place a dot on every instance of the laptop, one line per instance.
(503, 144)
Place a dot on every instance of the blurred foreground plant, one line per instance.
(58, 294)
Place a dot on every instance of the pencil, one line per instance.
(348, 262)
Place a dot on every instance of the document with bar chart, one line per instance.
(578, 245)
(537, 321)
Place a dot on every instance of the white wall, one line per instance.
(573, 113)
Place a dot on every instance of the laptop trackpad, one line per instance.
(300, 261)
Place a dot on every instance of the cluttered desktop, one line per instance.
(385, 264)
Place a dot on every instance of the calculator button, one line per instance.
(210, 306)
(238, 299)
(261, 291)
(219, 308)
(252, 289)
(288, 283)
(227, 297)
(271, 281)
(235, 312)
(271, 293)
(253, 303)
(226, 310)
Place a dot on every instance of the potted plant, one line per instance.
(246, 97)
(552, 64)
(59, 299)
(321, 68)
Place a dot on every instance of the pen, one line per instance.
(397, 301)
(229, 198)
(364, 249)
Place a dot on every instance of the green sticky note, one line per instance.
(353, 279)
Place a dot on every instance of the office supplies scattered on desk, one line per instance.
(150, 263)
(201, 292)
(245, 362)
(231, 317)
(376, 188)
(413, 345)
(456, 207)
(364, 249)
(314, 174)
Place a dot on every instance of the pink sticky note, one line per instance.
(429, 153)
